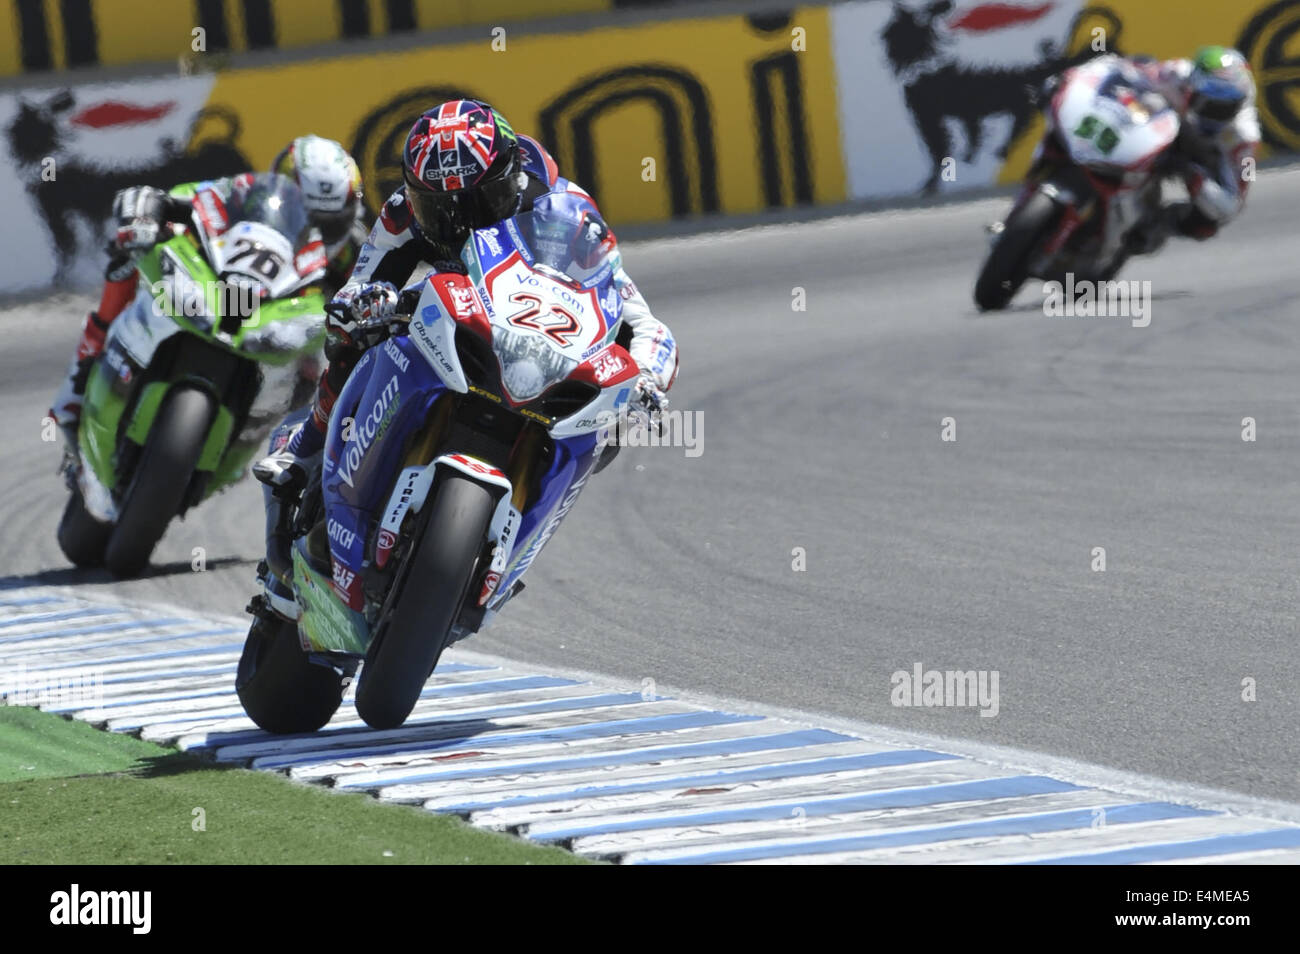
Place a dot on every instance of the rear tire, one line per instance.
(1007, 265)
(281, 689)
(81, 537)
(162, 476)
(436, 581)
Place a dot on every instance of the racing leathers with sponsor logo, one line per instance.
(1214, 96)
(142, 216)
(363, 311)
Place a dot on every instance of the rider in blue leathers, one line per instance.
(464, 168)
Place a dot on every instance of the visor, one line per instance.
(1216, 102)
(334, 226)
(450, 215)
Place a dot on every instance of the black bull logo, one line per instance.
(938, 88)
(81, 189)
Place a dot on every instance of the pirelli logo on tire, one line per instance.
(62, 34)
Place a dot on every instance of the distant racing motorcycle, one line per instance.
(453, 453)
(195, 371)
(1095, 183)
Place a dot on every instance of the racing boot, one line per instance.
(286, 470)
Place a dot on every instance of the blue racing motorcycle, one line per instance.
(453, 453)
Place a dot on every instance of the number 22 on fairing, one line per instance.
(558, 324)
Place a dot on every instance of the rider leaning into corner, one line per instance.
(464, 168)
(1214, 95)
(331, 185)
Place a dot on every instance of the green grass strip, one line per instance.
(71, 794)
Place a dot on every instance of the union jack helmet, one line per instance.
(461, 166)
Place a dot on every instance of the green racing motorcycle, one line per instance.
(196, 370)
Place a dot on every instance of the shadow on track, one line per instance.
(75, 576)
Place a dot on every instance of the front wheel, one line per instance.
(162, 476)
(1007, 265)
(436, 581)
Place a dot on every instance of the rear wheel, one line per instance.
(1007, 265)
(162, 476)
(436, 582)
(281, 689)
(81, 537)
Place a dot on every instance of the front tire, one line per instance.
(436, 582)
(1007, 265)
(162, 476)
(81, 537)
(279, 686)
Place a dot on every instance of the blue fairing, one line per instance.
(387, 399)
(387, 404)
(573, 458)
(390, 393)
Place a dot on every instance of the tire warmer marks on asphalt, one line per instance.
(609, 773)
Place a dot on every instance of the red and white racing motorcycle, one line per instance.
(1095, 179)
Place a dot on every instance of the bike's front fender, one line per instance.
(412, 490)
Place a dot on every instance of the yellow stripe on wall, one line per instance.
(440, 14)
(11, 55)
(54, 29)
(121, 39)
(611, 86)
(299, 24)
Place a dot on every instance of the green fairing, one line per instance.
(106, 404)
(99, 423)
(328, 624)
(146, 409)
(219, 433)
(230, 469)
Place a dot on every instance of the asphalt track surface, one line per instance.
(821, 430)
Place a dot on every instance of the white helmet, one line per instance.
(330, 183)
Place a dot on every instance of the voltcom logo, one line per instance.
(103, 907)
(368, 428)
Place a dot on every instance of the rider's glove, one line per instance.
(648, 402)
(362, 317)
(138, 214)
